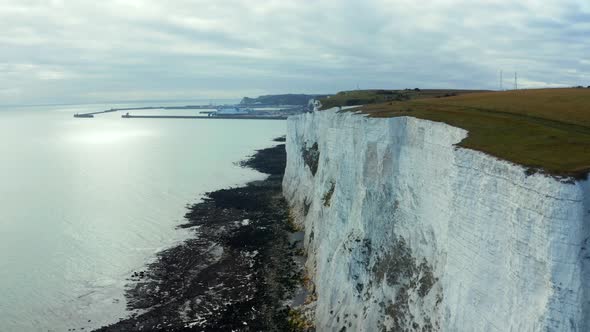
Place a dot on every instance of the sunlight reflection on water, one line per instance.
(85, 202)
(108, 136)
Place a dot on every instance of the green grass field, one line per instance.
(366, 97)
(546, 129)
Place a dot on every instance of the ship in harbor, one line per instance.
(83, 115)
(231, 111)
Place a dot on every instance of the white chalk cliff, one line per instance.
(406, 231)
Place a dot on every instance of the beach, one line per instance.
(237, 272)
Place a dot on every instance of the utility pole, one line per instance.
(501, 80)
(515, 81)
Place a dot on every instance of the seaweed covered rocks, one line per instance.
(236, 274)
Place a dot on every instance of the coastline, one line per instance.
(237, 273)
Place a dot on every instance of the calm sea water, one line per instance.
(85, 202)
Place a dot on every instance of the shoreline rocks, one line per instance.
(237, 273)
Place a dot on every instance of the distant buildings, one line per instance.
(232, 111)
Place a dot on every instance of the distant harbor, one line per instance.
(261, 112)
(271, 107)
(233, 117)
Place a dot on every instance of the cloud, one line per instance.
(87, 51)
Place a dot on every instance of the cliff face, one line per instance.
(404, 230)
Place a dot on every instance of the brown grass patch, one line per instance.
(546, 129)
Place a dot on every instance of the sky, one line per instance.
(77, 51)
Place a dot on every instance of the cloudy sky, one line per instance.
(68, 51)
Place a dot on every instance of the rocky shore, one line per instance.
(238, 272)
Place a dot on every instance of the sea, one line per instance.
(85, 202)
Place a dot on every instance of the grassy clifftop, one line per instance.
(545, 129)
(367, 97)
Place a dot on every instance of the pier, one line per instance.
(91, 114)
(254, 115)
(188, 107)
(226, 117)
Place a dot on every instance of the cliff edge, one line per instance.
(405, 230)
